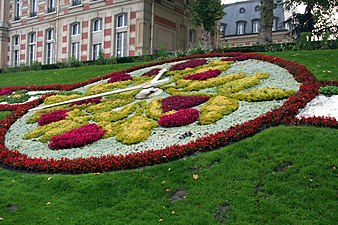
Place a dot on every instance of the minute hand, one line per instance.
(141, 86)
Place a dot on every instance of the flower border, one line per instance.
(284, 115)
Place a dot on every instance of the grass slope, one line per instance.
(60, 76)
(284, 175)
(322, 63)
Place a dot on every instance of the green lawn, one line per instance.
(322, 63)
(60, 76)
(283, 175)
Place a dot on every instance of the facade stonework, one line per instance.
(49, 31)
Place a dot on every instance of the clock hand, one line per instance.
(141, 86)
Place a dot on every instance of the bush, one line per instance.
(328, 90)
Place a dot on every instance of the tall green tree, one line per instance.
(265, 30)
(316, 18)
(207, 13)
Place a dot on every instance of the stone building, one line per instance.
(240, 24)
(49, 31)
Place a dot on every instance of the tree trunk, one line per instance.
(206, 40)
(265, 30)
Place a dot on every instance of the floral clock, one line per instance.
(208, 102)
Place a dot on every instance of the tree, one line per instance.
(206, 13)
(317, 18)
(265, 30)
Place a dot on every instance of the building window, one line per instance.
(275, 24)
(75, 29)
(17, 10)
(222, 29)
(257, 8)
(31, 48)
(75, 50)
(122, 20)
(255, 26)
(49, 46)
(240, 27)
(241, 10)
(33, 8)
(16, 53)
(121, 44)
(96, 51)
(191, 36)
(51, 6)
(97, 25)
(76, 2)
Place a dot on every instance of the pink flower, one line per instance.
(189, 64)
(180, 118)
(182, 102)
(79, 137)
(5, 92)
(204, 75)
(120, 77)
(54, 116)
(151, 72)
(92, 100)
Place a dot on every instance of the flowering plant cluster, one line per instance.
(180, 118)
(204, 75)
(181, 102)
(79, 137)
(5, 91)
(120, 77)
(285, 114)
(151, 72)
(189, 64)
(92, 100)
(54, 116)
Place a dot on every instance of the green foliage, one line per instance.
(328, 90)
(3, 114)
(205, 13)
(19, 96)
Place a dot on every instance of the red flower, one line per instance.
(54, 116)
(180, 118)
(79, 137)
(182, 102)
(152, 72)
(120, 77)
(189, 64)
(204, 75)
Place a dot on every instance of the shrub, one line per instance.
(329, 90)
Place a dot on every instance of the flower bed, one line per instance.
(54, 116)
(120, 77)
(204, 75)
(182, 102)
(92, 100)
(189, 64)
(5, 92)
(79, 137)
(152, 72)
(180, 118)
(284, 114)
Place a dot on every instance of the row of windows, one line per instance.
(121, 21)
(121, 47)
(33, 7)
(241, 26)
(258, 7)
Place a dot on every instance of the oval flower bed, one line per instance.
(180, 118)
(79, 137)
(224, 85)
